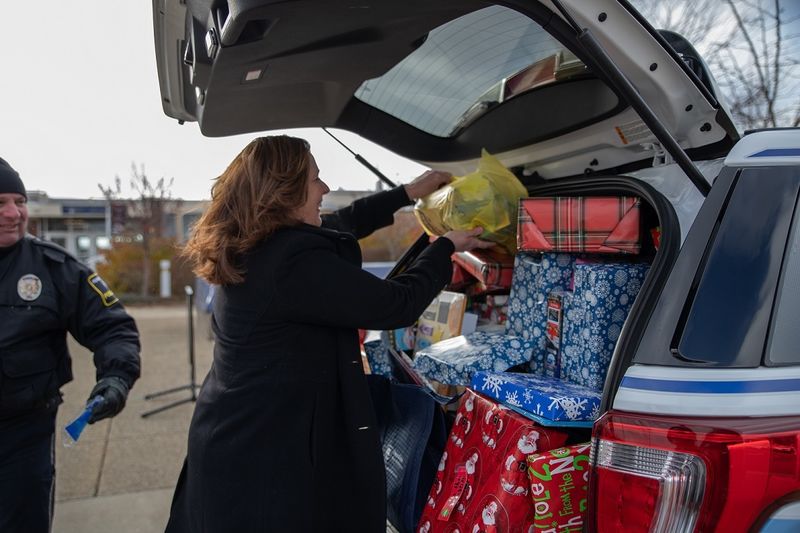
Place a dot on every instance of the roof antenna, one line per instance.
(363, 161)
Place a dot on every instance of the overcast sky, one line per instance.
(79, 102)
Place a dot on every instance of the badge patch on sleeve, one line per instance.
(108, 298)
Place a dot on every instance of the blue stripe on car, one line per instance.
(777, 152)
(712, 387)
(781, 526)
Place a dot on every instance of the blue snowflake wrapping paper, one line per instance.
(378, 357)
(593, 318)
(535, 276)
(549, 401)
(454, 361)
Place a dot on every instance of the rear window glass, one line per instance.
(729, 316)
(466, 67)
(784, 345)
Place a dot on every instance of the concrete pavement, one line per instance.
(120, 475)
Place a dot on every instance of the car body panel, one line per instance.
(710, 392)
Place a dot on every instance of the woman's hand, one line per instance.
(466, 240)
(426, 183)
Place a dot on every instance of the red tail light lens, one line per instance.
(689, 474)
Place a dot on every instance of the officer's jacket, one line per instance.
(45, 293)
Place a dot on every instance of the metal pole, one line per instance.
(190, 303)
(192, 386)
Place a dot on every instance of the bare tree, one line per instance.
(758, 76)
(145, 212)
(749, 48)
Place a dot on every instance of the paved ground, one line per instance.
(120, 475)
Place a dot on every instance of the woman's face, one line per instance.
(315, 190)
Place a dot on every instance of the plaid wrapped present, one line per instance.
(492, 267)
(579, 224)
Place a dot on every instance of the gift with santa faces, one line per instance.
(482, 482)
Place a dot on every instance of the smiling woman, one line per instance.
(291, 298)
(310, 211)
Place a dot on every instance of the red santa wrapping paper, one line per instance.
(559, 488)
(580, 224)
(482, 482)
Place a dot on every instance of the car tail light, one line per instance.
(676, 474)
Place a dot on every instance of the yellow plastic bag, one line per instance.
(488, 197)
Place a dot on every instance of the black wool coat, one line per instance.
(283, 436)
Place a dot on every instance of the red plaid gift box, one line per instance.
(482, 482)
(579, 224)
(492, 267)
(559, 488)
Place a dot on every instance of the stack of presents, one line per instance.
(520, 342)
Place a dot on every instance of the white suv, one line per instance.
(700, 428)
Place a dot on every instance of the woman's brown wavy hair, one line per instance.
(256, 195)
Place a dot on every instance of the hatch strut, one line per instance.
(363, 161)
(623, 84)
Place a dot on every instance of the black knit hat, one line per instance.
(9, 180)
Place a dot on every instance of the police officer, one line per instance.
(45, 293)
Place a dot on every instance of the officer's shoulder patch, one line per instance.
(99, 286)
(51, 250)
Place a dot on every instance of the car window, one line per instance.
(466, 67)
(785, 332)
(728, 318)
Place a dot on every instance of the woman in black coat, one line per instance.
(283, 435)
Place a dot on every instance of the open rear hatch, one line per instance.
(436, 82)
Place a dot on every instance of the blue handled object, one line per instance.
(73, 430)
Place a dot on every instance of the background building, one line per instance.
(88, 227)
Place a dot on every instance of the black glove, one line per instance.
(114, 391)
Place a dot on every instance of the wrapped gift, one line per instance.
(548, 401)
(552, 333)
(460, 279)
(441, 319)
(655, 234)
(535, 277)
(560, 488)
(482, 482)
(454, 361)
(579, 224)
(492, 310)
(402, 338)
(492, 267)
(603, 295)
(377, 353)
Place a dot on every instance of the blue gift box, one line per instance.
(377, 352)
(535, 277)
(550, 401)
(593, 318)
(454, 361)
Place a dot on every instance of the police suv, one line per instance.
(700, 428)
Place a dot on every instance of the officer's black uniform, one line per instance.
(45, 293)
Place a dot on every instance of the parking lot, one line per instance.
(121, 474)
